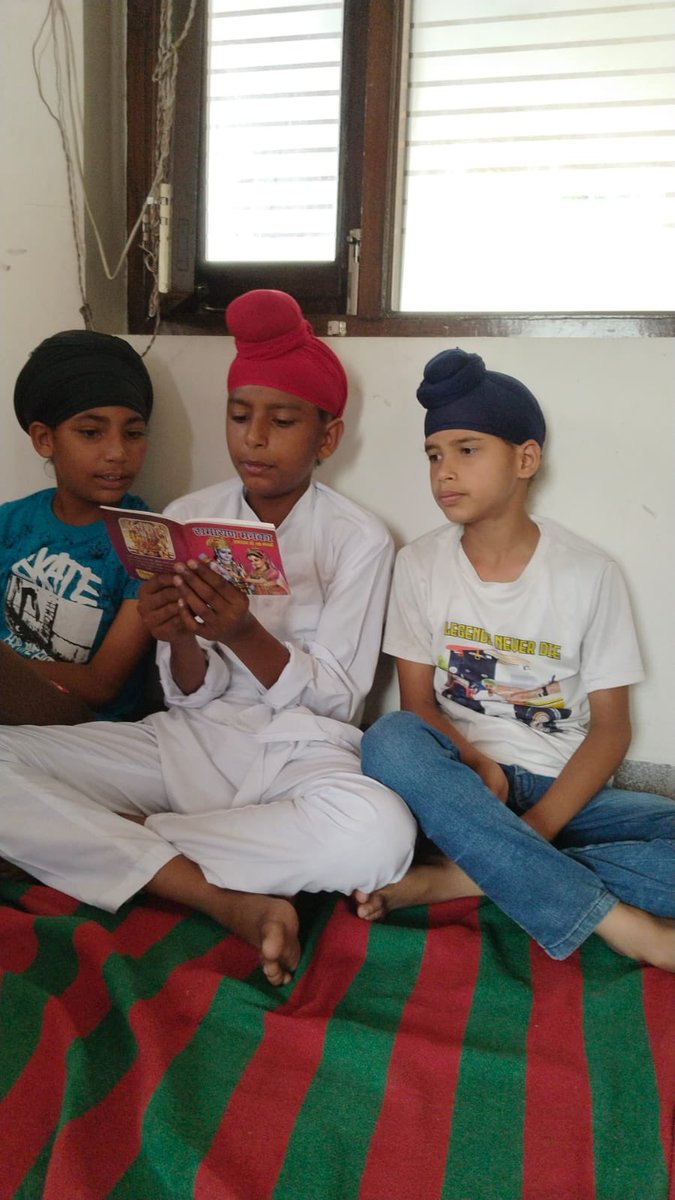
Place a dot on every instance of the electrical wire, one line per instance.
(55, 32)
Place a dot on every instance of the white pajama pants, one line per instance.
(274, 815)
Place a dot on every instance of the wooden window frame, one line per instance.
(372, 122)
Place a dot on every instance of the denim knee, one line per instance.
(390, 744)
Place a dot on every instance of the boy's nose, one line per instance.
(256, 433)
(115, 449)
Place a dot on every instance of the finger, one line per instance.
(191, 583)
(151, 601)
(191, 623)
(210, 606)
(157, 583)
(198, 608)
(160, 613)
(205, 578)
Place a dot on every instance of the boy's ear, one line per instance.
(331, 437)
(529, 459)
(42, 437)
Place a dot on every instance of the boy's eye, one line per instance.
(136, 434)
(468, 450)
(89, 433)
(283, 422)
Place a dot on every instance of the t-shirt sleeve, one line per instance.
(131, 588)
(408, 631)
(610, 655)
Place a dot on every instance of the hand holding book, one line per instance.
(196, 600)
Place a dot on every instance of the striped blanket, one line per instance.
(439, 1055)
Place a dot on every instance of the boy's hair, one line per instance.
(80, 369)
(277, 348)
(459, 392)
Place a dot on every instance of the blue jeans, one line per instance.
(620, 846)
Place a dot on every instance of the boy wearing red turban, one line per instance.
(249, 788)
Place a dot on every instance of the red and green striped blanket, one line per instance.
(437, 1056)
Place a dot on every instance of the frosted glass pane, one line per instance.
(273, 131)
(302, 81)
(563, 91)
(539, 158)
(239, 56)
(540, 29)
(272, 26)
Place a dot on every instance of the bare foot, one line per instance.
(427, 883)
(270, 923)
(279, 947)
(640, 935)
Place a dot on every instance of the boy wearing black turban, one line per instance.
(515, 650)
(71, 640)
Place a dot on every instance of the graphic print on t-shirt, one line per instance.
(502, 684)
(51, 607)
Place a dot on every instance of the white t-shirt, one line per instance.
(515, 661)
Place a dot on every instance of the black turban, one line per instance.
(460, 393)
(80, 369)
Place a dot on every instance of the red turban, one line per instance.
(277, 348)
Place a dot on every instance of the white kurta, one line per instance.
(261, 787)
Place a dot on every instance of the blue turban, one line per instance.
(458, 392)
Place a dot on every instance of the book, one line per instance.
(246, 553)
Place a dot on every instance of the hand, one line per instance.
(209, 605)
(493, 777)
(158, 607)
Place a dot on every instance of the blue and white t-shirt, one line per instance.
(61, 586)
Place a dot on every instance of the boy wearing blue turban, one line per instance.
(515, 649)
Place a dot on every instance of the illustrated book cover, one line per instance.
(246, 553)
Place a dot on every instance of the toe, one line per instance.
(275, 973)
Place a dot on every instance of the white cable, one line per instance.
(69, 119)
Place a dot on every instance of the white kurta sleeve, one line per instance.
(332, 671)
(217, 678)
(215, 682)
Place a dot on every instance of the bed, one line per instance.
(439, 1055)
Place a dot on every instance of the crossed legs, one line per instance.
(86, 811)
(615, 864)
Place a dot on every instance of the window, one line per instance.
(509, 166)
(272, 136)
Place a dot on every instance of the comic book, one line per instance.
(244, 552)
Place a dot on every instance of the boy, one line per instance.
(72, 645)
(515, 649)
(249, 788)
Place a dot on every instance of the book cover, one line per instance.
(246, 553)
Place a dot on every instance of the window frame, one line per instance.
(370, 161)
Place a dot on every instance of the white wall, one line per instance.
(609, 403)
(38, 276)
